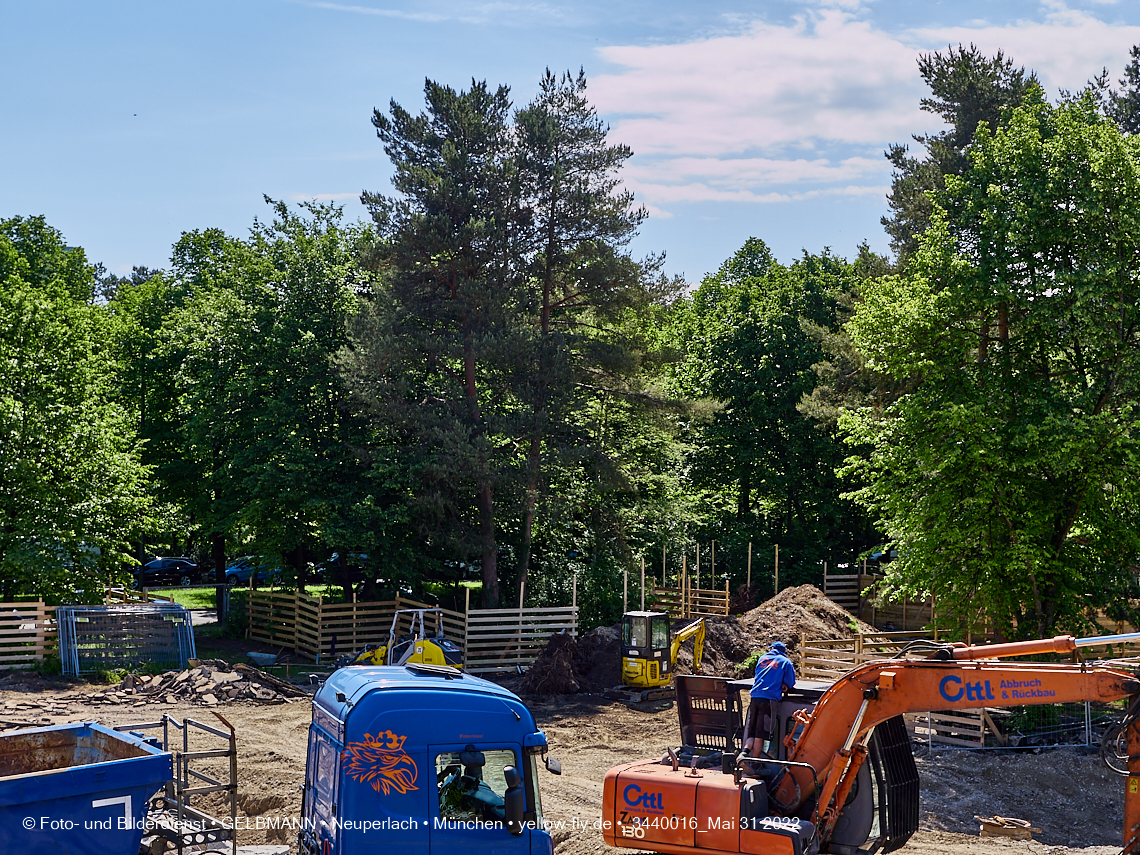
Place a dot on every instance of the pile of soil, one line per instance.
(593, 663)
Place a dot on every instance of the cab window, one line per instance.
(635, 632)
(660, 633)
(469, 793)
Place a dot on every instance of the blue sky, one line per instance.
(127, 123)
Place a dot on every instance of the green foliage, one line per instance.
(753, 335)
(968, 89)
(496, 374)
(1008, 475)
(748, 666)
(72, 488)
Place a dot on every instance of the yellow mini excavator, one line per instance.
(415, 646)
(649, 655)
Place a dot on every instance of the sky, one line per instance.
(128, 123)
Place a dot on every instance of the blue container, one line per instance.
(76, 789)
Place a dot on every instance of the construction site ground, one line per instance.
(1066, 792)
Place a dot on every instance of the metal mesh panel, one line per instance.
(99, 638)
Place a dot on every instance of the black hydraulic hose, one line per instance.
(1113, 747)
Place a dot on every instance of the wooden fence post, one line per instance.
(466, 622)
(726, 597)
(574, 600)
(624, 591)
(643, 583)
(750, 566)
(697, 566)
(776, 584)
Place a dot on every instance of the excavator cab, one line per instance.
(649, 648)
(645, 641)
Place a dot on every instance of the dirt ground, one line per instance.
(1069, 795)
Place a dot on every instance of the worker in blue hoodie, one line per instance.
(775, 674)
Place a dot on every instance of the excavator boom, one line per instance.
(695, 631)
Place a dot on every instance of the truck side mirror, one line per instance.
(514, 800)
(554, 767)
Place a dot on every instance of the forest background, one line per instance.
(481, 386)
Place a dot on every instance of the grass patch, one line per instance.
(192, 598)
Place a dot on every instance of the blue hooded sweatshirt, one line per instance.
(774, 670)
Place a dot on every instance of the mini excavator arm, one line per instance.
(695, 631)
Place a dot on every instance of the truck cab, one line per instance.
(421, 759)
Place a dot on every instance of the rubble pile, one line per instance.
(210, 683)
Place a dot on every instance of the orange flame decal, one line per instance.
(382, 762)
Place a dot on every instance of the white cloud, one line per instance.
(779, 113)
(1066, 48)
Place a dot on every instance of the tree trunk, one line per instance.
(484, 497)
(218, 556)
(528, 514)
(744, 496)
(490, 550)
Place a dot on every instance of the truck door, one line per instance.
(320, 796)
(467, 800)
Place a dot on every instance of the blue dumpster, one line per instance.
(76, 789)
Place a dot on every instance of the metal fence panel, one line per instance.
(94, 638)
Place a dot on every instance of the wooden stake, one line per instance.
(574, 602)
(624, 591)
(643, 583)
(662, 564)
(777, 581)
(712, 561)
(697, 566)
(750, 565)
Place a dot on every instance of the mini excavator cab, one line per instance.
(649, 648)
(645, 639)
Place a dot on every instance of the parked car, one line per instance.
(239, 571)
(167, 571)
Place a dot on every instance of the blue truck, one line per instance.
(421, 759)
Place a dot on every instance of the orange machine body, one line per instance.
(660, 809)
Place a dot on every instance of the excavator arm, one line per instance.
(695, 631)
(833, 741)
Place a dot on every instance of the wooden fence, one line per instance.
(829, 659)
(491, 639)
(27, 634)
(502, 639)
(858, 594)
(687, 601)
(127, 596)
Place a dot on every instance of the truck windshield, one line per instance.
(473, 792)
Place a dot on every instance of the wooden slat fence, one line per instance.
(27, 634)
(829, 659)
(491, 639)
(503, 639)
(686, 601)
(125, 596)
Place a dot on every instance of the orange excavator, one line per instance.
(843, 778)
